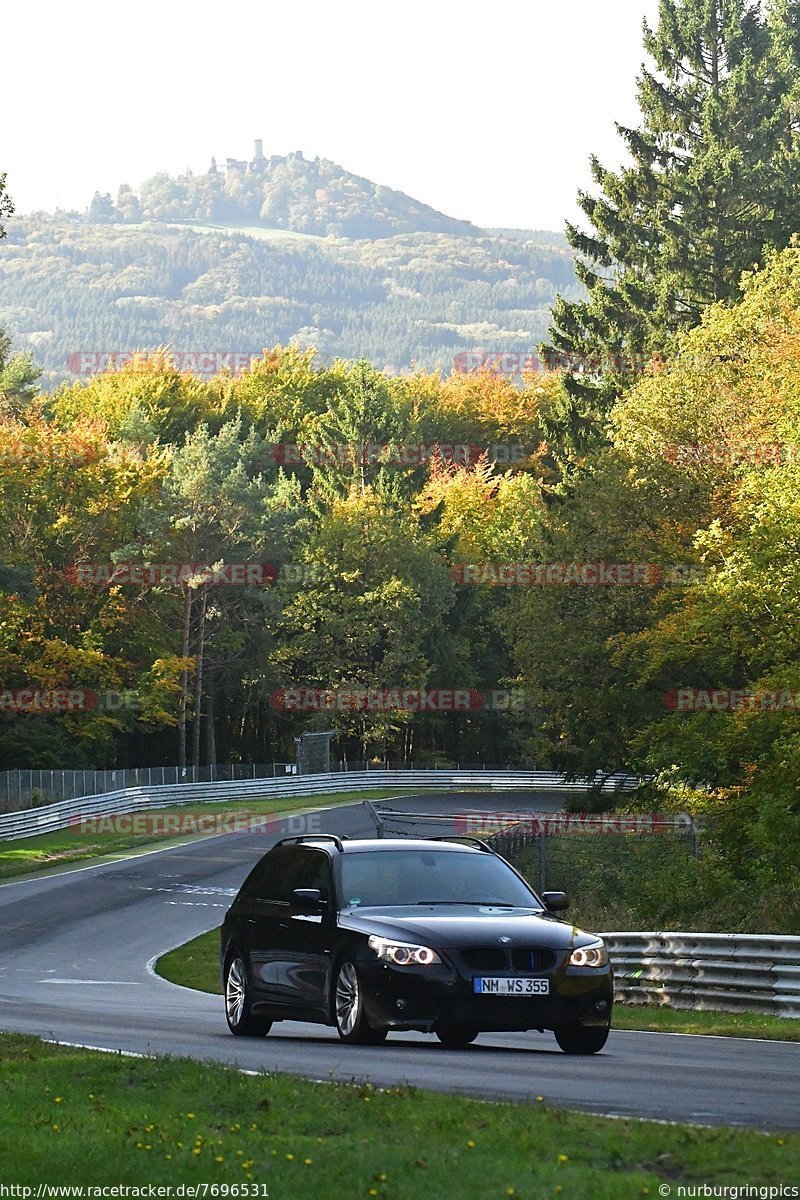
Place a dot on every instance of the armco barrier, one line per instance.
(725, 971)
(30, 822)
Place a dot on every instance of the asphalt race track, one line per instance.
(74, 954)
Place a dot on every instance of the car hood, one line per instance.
(463, 925)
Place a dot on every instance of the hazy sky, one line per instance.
(486, 110)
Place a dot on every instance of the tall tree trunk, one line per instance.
(198, 676)
(408, 743)
(211, 739)
(184, 701)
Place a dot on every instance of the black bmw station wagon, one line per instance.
(437, 935)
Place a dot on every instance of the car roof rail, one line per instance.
(315, 837)
(455, 837)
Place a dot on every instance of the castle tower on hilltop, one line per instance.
(258, 150)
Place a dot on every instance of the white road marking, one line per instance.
(191, 889)
(98, 982)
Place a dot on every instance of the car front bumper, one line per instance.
(426, 997)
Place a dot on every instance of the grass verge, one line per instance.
(720, 1024)
(196, 965)
(19, 856)
(83, 1118)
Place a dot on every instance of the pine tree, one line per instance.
(6, 203)
(713, 181)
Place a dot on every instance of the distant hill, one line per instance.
(280, 192)
(240, 260)
(546, 236)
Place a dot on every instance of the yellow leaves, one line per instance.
(733, 380)
(491, 516)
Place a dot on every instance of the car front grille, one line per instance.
(534, 959)
(495, 958)
(485, 958)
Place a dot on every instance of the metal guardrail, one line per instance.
(731, 972)
(51, 817)
(23, 788)
(32, 788)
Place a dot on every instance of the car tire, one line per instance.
(574, 1038)
(456, 1037)
(348, 1009)
(238, 1014)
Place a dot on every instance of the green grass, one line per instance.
(720, 1024)
(76, 1117)
(20, 856)
(196, 965)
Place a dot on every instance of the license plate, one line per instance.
(498, 985)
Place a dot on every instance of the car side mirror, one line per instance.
(555, 901)
(307, 898)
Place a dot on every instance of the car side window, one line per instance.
(314, 872)
(273, 878)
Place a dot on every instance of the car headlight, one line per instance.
(594, 955)
(403, 954)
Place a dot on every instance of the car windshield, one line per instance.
(417, 876)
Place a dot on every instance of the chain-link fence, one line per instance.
(23, 789)
(621, 871)
(30, 789)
